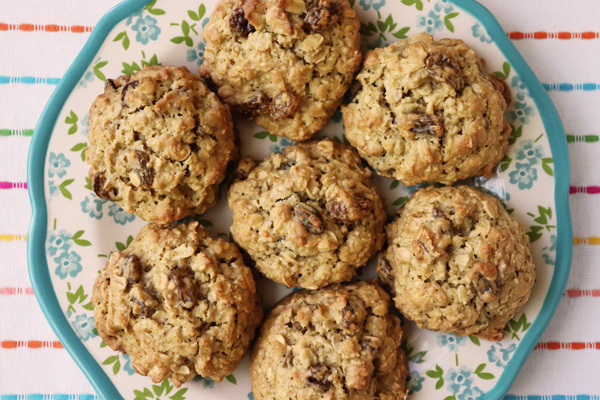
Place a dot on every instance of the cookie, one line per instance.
(284, 64)
(341, 343)
(179, 302)
(160, 143)
(426, 111)
(457, 262)
(309, 216)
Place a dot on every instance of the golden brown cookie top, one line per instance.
(160, 142)
(179, 302)
(426, 111)
(284, 64)
(340, 342)
(309, 216)
(457, 262)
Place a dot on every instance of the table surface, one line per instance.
(559, 39)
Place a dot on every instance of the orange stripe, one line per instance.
(32, 344)
(568, 346)
(553, 35)
(45, 28)
(582, 293)
(11, 238)
(586, 240)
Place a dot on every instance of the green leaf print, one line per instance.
(123, 38)
(515, 134)
(261, 135)
(394, 184)
(231, 379)
(543, 222)
(130, 69)
(447, 22)
(483, 375)
(505, 163)
(417, 3)
(80, 147)
(344, 139)
(515, 326)
(505, 71)
(185, 29)
(164, 389)
(383, 26)
(98, 72)
(546, 165)
(72, 119)
(63, 188)
(154, 11)
(453, 397)
(88, 183)
(80, 242)
(438, 373)
(475, 340)
(367, 29)
(400, 200)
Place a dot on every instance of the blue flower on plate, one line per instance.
(278, 148)
(500, 356)
(517, 83)
(453, 342)
(520, 113)
(58, 242)
(458, 379)
(207, 383)
(443, 5)
(83, 326)
(119, 215)
(85, 124)
(52, 188)
(250, 396)
(415, 382)
(431, 22)
(548, 251)
(128, 367)
(68, 264)
(92, 205)
(146, 29)
(87, 77)
(137, 14)
(471, 393)
(481, 33)
(196, 54)
(367, 4)
(524, 175)
(530, 152)
(57, 164)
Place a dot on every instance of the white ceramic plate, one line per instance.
(73, 231)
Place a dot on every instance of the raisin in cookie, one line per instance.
(341, 343)
(179, 302)
(426, 111)
(160, 143)
(286, 64)
(309, 216)
(457, 262)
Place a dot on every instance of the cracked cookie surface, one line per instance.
(427, 111)
(309, 216)
(457, 262)
(285, 64)
(179, 302)
(160, 143)
(341, 342)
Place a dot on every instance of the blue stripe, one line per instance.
(554, 397)
(58, 396)
(570, 87)
(28, 80)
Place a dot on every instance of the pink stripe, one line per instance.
(13, 185)
(16, 290)
(584, 189)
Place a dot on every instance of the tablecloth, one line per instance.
(559, 39)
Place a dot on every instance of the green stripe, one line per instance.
(582, 138)
(16, 132)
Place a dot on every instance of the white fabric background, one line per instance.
(43, 54)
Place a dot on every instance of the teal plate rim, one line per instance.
(36, 256)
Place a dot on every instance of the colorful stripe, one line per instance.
(31, 344)
(568, 346)
(16, 132)
(15, 290)
(27, 80)
(40, 396)
(584, 189)
(13, 185)
(574, 293)
(570, 87)
(551, 397)
(11, 238)
(586, 240)
(582, 138)
(553, 35)
(45, 28)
